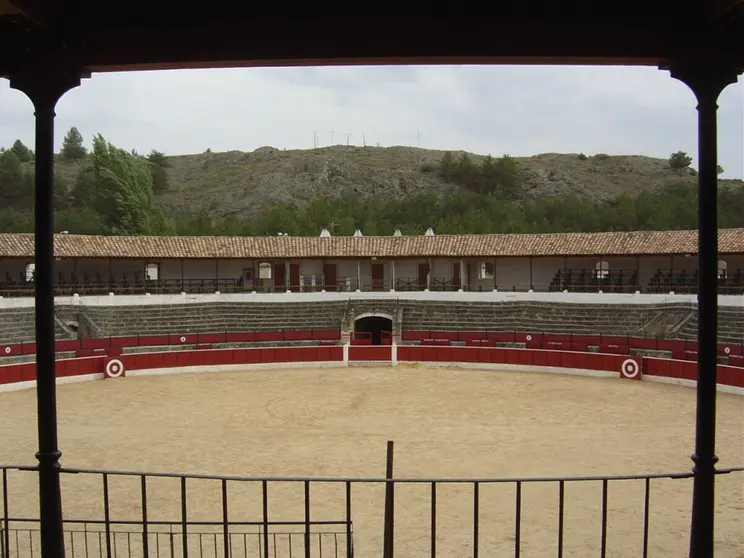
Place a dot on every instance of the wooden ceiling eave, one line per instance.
(254, 43)
(721, 8)
(388, 61)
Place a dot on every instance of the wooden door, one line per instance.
(280, 278)
(294, 277)
(456, 281)
(378, 277)
(329, 277)
(423, 271)
(248, 279)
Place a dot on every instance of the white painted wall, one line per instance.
(516, 273)
(486, 296)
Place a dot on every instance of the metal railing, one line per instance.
(247, 508)
(401, 284)
(163, 539)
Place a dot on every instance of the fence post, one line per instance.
(5, 531)
(388, 535)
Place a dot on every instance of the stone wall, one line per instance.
(662, 320)
(540, 317)
(730, 326)
(16, 325)
(212, 317)
(19, 324)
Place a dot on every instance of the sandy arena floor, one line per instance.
(445, 423)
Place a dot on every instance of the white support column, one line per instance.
(287, 277)
(462, 274)
(392, 276)
(428, 277)
(359, 276)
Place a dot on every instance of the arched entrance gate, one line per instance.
(373, 329)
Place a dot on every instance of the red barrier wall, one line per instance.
(685, 370)
(527, 357)
(615, 344)
(319, 335)
(26, 372)
(220, 357)
(620, 345)
(383, 353)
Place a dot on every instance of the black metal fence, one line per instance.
(129, 514)
(162, 539)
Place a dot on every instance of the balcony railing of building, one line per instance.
(593, 280)
(355, 528)
(570, 280)
(686, 282)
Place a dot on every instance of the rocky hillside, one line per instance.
(241, 183)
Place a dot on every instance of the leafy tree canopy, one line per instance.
(72, 146)
(113, 194)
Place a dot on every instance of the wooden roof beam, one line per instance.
(31, 10)
(722, 8)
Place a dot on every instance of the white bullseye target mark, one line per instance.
(183, 340)
(7, 350)
(529, 338)
(630, 368)
(727, 350)
(114, 368)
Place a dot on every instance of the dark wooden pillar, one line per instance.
(671, 272)
(707, 79)
(638, 273)
(44, 86)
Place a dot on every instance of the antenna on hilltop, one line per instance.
(364, 140)
(332, 132)
(418, 138)
(348, 136)
(315, 140)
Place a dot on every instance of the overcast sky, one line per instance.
(518, 110)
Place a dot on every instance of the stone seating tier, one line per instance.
(618, 319)
(215, 317)
(730, 326)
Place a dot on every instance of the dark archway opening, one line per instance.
(375, 326)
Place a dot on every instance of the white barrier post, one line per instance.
(394, 354)
(346, 354)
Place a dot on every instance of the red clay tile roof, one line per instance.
(268, 247)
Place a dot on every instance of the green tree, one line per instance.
(123, 189)
(16, 183)
(72, 146)
(158, 164)
(24, 154)
(61, 193)
(84, 189)
(447, 166)
(679, 160)
(466, 172)
(509, 183)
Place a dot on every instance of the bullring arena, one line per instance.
(297, 419)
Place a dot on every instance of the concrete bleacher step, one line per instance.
(215, 317)
(529, 316)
